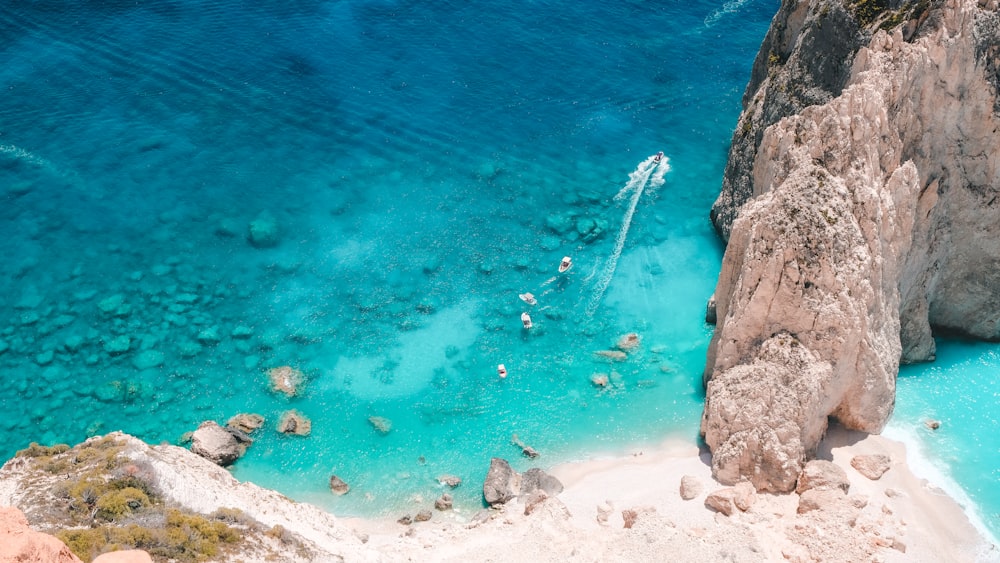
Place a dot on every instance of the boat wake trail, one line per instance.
(17, 153)
(648, 175)
(730, 7)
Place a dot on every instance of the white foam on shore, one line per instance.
(923, 465)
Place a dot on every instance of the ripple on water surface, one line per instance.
(361, 190)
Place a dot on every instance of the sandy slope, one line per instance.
(901, 518)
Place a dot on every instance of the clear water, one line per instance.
(961, 389)
(425, 162)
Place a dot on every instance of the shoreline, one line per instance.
(899, 517)
(922, 464)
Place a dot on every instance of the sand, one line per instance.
(896, 518)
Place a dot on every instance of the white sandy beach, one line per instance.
(896, 518)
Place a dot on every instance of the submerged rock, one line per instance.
(285, 379)
(148, 359)
(628, 342)
(117, 345)
(338, 486)
(450, 480)
(263, 232)
(381, 424)
(246, 422)
(294, 422)
(613, 355)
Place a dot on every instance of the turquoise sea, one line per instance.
(194, 193)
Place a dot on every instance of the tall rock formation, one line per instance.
(854, 225)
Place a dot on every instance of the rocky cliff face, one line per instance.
(854, 224)
(45, 486)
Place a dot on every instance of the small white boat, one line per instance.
(528, 298)
(566, 264)
(526, 320)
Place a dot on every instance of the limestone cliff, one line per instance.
(64, 489)
(855, 224)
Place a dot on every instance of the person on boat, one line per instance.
(658, 157)
(502, 371)
(526, 320)
(566, 264)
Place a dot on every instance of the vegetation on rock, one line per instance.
(95, 498)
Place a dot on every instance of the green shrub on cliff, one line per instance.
(35, 450)
(184, 538)
(113, 505)
(867, 11)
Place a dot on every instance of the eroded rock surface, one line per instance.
(19, 542)
(861, 223)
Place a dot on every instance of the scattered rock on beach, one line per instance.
(537, 480)
(721, 501)
(423, 516)
(629, 517)
(819, 499)
(822, 474)
(871, 466)
(444, 502)
(744, 495)
(691, 487)
(741, 496)
(502, 482)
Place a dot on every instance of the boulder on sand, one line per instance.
(502, 482)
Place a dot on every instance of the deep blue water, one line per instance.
(424, 163)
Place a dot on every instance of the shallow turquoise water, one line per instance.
(424, 163)
(961, 389)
